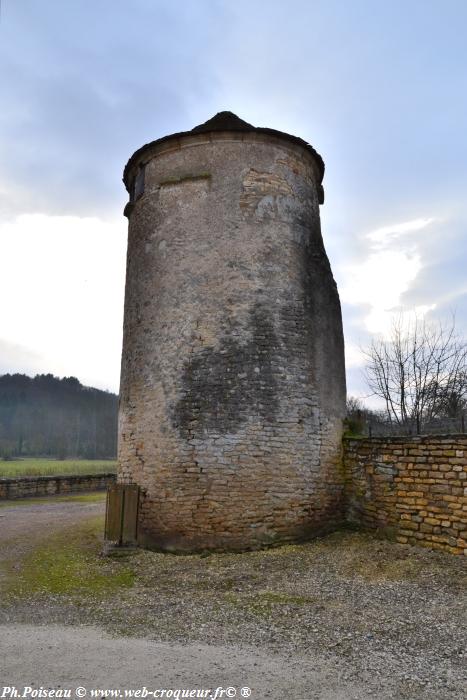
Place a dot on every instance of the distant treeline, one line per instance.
(56, 417)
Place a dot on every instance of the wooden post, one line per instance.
(121, 516)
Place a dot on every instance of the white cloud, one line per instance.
(15, 358)
(353, 355)
(386, 234)
(381, 279)
(62, 285)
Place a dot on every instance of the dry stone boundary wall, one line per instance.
(415, 486)
(34, 486)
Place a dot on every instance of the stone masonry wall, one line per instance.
(417, 486)
(30, 486)
(233, 381)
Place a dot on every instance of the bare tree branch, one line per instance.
(420, 372)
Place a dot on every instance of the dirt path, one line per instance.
(70, 657)
(28, 522)
(22, 520)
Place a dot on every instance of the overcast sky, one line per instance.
(378, 88)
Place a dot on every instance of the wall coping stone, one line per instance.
(54, 477)
(452, 437)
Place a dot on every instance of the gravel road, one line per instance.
(346, 616)
(71, 656)
(25, 524)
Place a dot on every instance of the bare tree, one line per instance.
(420, 372)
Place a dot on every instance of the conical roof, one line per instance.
(225, 121)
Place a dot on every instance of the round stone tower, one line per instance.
(233, 384)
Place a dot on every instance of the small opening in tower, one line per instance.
(139, 183)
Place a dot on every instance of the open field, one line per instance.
(33, 466)
(345, 616)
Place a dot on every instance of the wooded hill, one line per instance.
(56, 417)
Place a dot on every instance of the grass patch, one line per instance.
(70, 563)
(398, 569)
(53, 467)
(265, 603)
(96, 497)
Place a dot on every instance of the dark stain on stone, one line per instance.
(222, 387)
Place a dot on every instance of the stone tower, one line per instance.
(232, 383)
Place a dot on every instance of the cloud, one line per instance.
(387, 234)
(392, 262)
(15, 358)
(80, 92)
(62, 285)
(353, 356)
